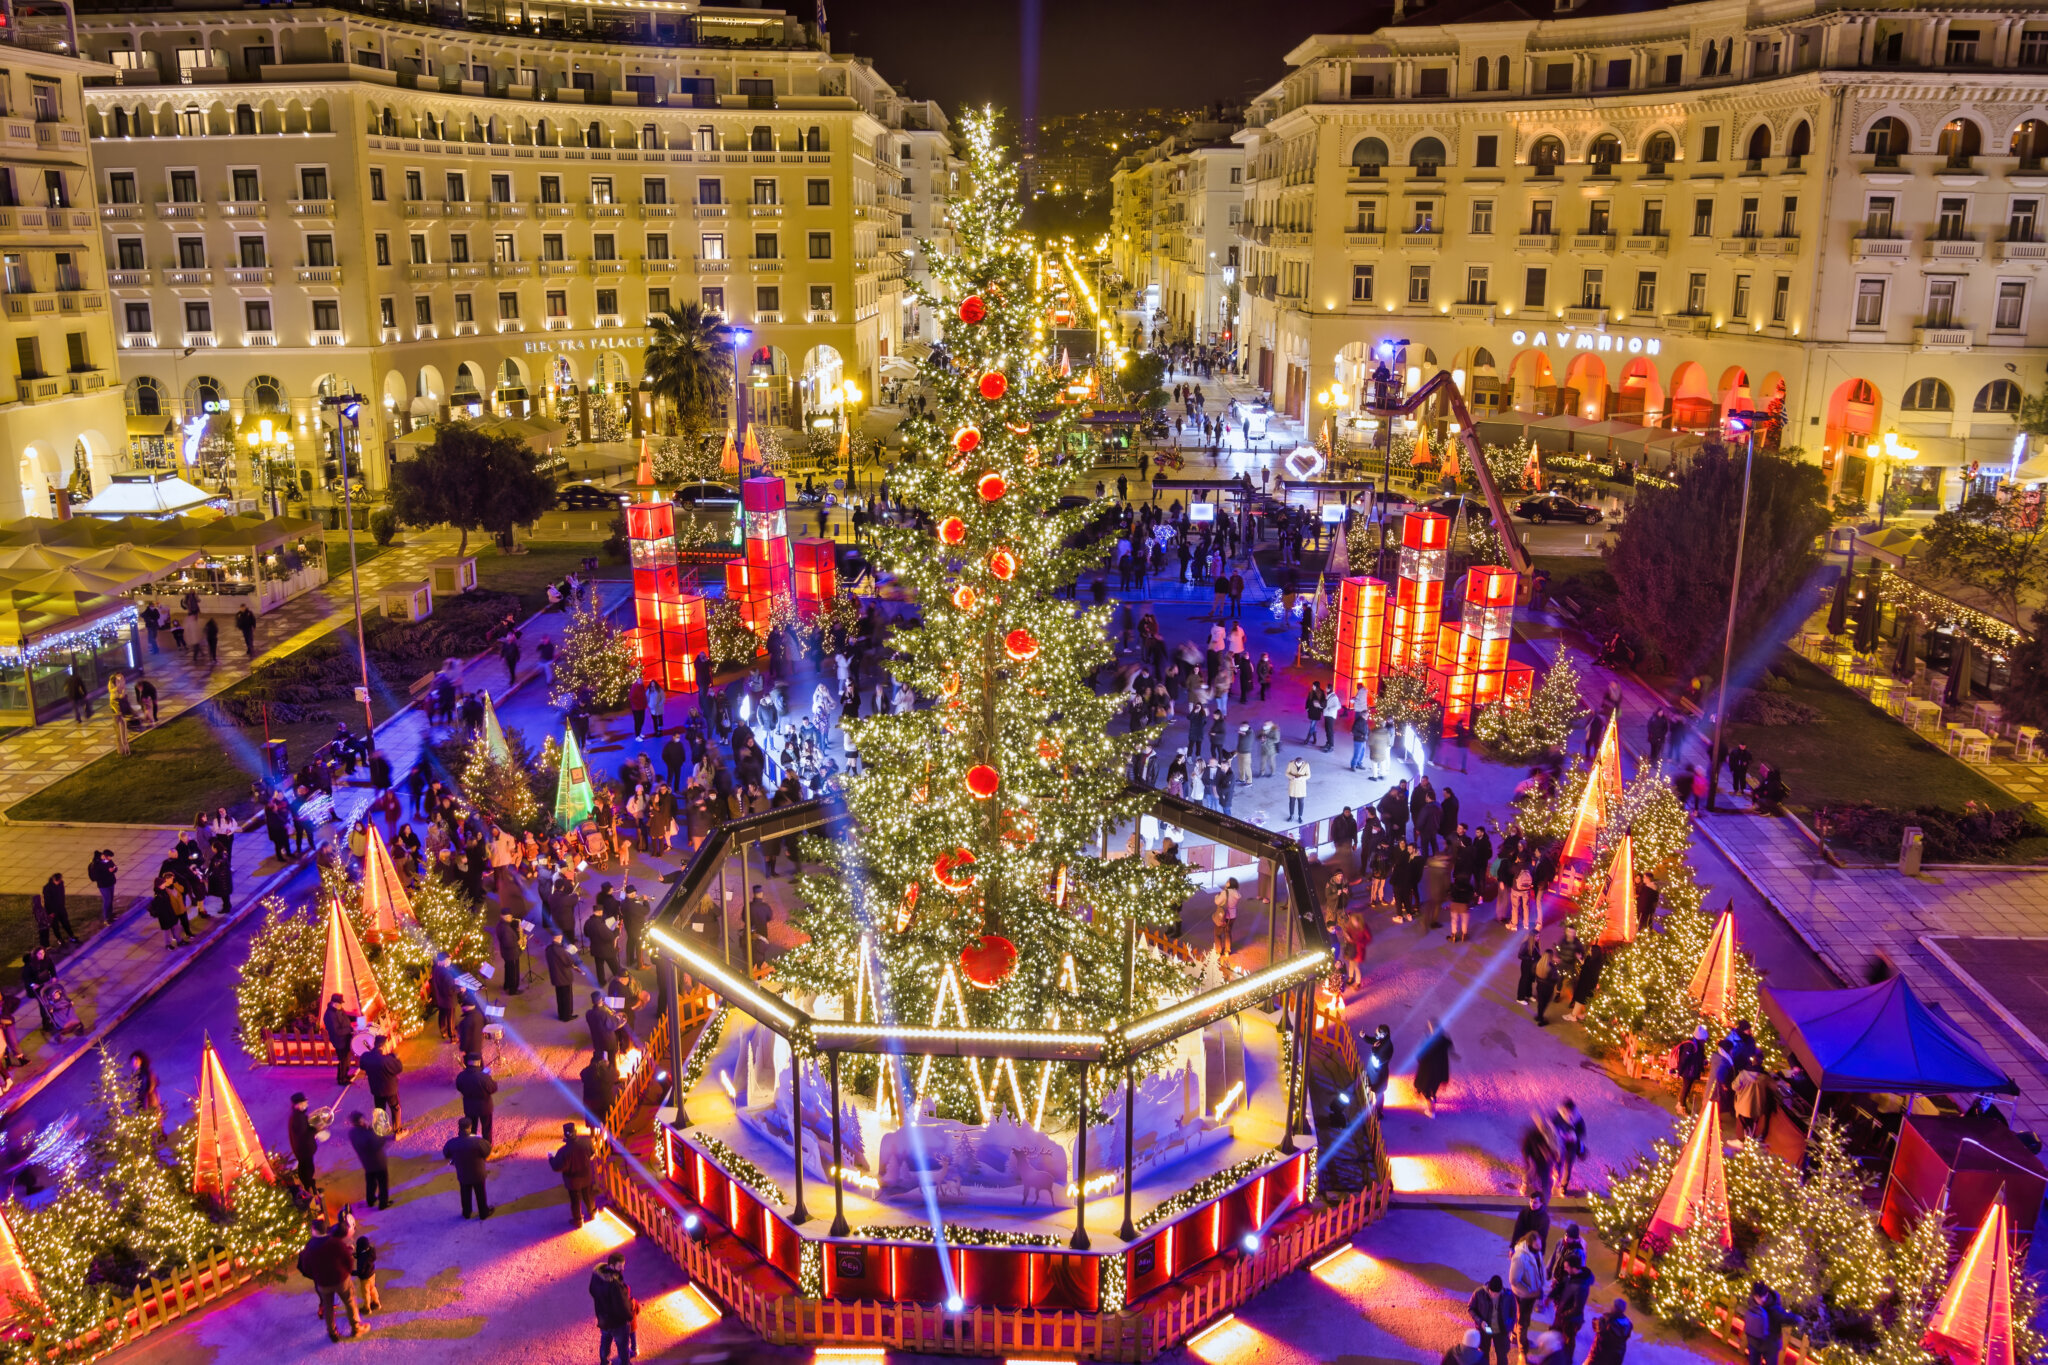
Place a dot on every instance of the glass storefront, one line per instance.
(37, 686)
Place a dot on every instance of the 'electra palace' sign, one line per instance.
(1570, 340)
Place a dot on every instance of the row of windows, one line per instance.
(1752, 218)
(252, 251)
(2009, 309)
(257, 314)
(1932, 395)
(246, 186)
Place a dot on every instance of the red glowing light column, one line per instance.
(1361, 636)
(767, 530)
(651, 538)
(1471, 667)
(1419, 590)
(816, 574)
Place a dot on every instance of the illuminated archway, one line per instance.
(1692, 401)
(1533, 381)
(1586, 381)
(1639, 396)
(1855, 409)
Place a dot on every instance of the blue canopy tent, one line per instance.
(1880, 1039)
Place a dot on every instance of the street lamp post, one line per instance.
(1748, 421)
(1892, 452)
(348, 408)
(740, 336)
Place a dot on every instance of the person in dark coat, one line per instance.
(1690, 1064)
(340, 1027)
(1611, 1331)
(370, 1145)
(1536, 1219)
(615, 1310)
(382, 1068)
(327, 1261)
(476, 1085)
(510, 952)
(1433, 1065)
(304, 1144)
(1547, 974)
(600, 1089)
(1588, 980)
(1530, 953)
(1763, 1325)
(103, 873)
(446, 992)
(562, 976)
(469, 1029)
(1493, 1311)
(576, 1162)
(468, 1153)
(634, 913)
(1570, 1284)
(55, 907)
(601, 931)
(604, 1026)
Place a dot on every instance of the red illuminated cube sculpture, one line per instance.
(1361, 636)
(1471, 668)
(816, 573)
(763, 502)
(1418, 604)
(664, 647)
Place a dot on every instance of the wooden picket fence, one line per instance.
(1134, 1334)
(288, 1047)
(1724, 1323)
(157, 1304)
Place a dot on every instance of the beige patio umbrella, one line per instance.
(34, 559)
(73, 580)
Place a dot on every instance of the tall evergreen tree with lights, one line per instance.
(979, 813)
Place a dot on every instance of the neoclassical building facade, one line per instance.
(478, 215)
(1662, 215)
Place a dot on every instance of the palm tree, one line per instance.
(689, 360)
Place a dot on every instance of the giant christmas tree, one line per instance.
(978, 813)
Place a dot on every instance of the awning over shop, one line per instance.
(146, 494)
(1881, 1039)
(160, 425)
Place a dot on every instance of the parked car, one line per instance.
(1555, 506)
(588, 497)
(1474, 507)
(707, 497)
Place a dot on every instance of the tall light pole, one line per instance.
(348, 409)
(1748, 421)
(740, 336)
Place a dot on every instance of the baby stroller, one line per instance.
(60, 1016)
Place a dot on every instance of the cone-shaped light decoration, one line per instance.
(228, 1147)
(845, 444)
(1972, 1325)
(385, 903)
(346, 972)
(751, 456)
(729, 457)
(1698, 1188)
(1421, 455)
(1621, 895)
(494, 734)
(1713, 982)
(1452, 470)
(17, 1281)
(1603, 790)
(644, 480)
(574, 799)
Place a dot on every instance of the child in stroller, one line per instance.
(60, 1016)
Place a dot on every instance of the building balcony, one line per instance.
(249, 275)
(772, 265)
(389, 335)
(1737, 245)
(422, 208)
(259, 338)
(312, 208)
(465, 329)
(610, 320)
(710, 210)
(1689, 324)
(2019, 251)
(557, 324)
(650, 265)
(187, 211)
(764, 210)
(1536, 241)
(1942, 338)
(81, 301)
(330, 339)
(138, 341)
(559, 267)
(1865, 249)
(551, 210)
(1777, 246)
(27, 305)
(1953, 249)
(244, 208)
(1373, 241)
(469, 270)
(317, 274)
(510, 270)
(1593, 241)
(604, 210)
(1472, 312)
(1586, 315)
(428, 272)
(33, 389)
(121, 213)
(1292, 241)
(461, 208)
(1422, 241)
(202, 339)
(1645, 244)
(614, 266)
(188, 277)
(131, 279)
(713, 265)
(504, 209)
(657, 210)
(85, 381)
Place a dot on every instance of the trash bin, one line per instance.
(275, 761)
(1909, 850)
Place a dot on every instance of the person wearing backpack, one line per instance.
(615, 1308)
(1763, 1325)
(328, 1260)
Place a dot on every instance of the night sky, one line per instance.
(1099, 55)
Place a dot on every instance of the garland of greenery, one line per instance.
(1214, 1186)
(955, 1234)
(1115, 1289)
(810, 1269)
(738, 1168)
(701, 1050)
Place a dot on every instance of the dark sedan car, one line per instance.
(1473, 506)
(588, 497)
(1556, 507)
(707, 497)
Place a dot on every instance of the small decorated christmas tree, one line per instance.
(1520, 731)
(594, 665)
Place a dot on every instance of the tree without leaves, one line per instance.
(689, 361)
(1999, 547)
(1674, 557)
(473, 480)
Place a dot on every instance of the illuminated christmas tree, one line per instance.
(595, 663)
(1519, 731)
(980, 815)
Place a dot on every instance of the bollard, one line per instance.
(1910, 843)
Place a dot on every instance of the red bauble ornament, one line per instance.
(963, 597)
(951, 870)
(966, 440)
(1017, 428)
(1048, 749)
(991, 486)
(993, 385)
(983, 781)
(1003, 565)
(988, 961)
(952, 531)
(1021, 645)
(1020, 827)
(972, 309)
